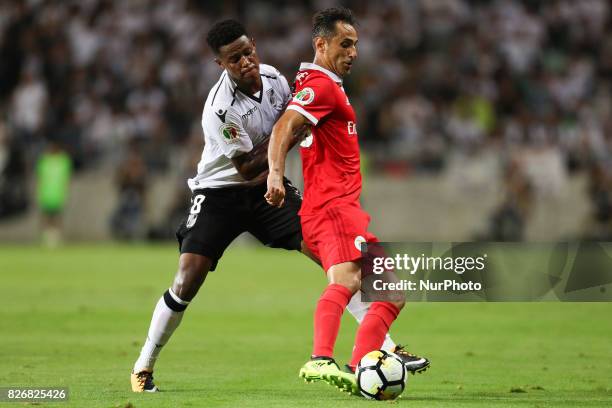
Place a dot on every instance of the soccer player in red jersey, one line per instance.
(333, 223)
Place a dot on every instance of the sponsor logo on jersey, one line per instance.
(221, 114)
(301, 76)
(305, 96)
(351, 127)
(230, 132)
(358, 241)
(249, 112)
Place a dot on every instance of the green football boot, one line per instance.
(345, 381)
(325, 369)
(315, 368)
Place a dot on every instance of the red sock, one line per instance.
(327, 317)
(371, 333)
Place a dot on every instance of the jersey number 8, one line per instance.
(195, 210)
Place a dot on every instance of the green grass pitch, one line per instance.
(77, 317)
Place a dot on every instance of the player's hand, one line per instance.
(275, 195)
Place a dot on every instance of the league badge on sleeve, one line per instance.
(304, 97)
(230, 133)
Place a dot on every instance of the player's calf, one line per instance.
(373, 328)
(166, 318)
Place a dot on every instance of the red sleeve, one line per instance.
(314, 99)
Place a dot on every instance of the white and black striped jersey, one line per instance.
(234, 123)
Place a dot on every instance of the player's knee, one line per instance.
(191, 275)
(355, 283)
(346, 274)
(351, 281)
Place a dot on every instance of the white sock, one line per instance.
(166, 319)
(359, 309)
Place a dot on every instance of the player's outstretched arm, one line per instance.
(253, 164)
(289, 124)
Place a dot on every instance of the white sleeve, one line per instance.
(229, 134)
(286, 90)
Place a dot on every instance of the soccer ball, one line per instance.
(381, 375)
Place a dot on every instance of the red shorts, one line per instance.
(334, 235)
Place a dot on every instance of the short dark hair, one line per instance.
(324, 22)
(223, 33)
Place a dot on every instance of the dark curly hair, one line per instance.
(324, 22)
(223, 33)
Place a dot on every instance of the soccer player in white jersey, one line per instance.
(228, 190)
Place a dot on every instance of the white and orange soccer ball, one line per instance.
(381, 375)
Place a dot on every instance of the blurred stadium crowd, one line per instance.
(109, 79)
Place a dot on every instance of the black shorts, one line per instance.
(218, 215)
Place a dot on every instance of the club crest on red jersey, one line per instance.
(305, 96)
(358, 241)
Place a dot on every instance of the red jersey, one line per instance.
(330, 155)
